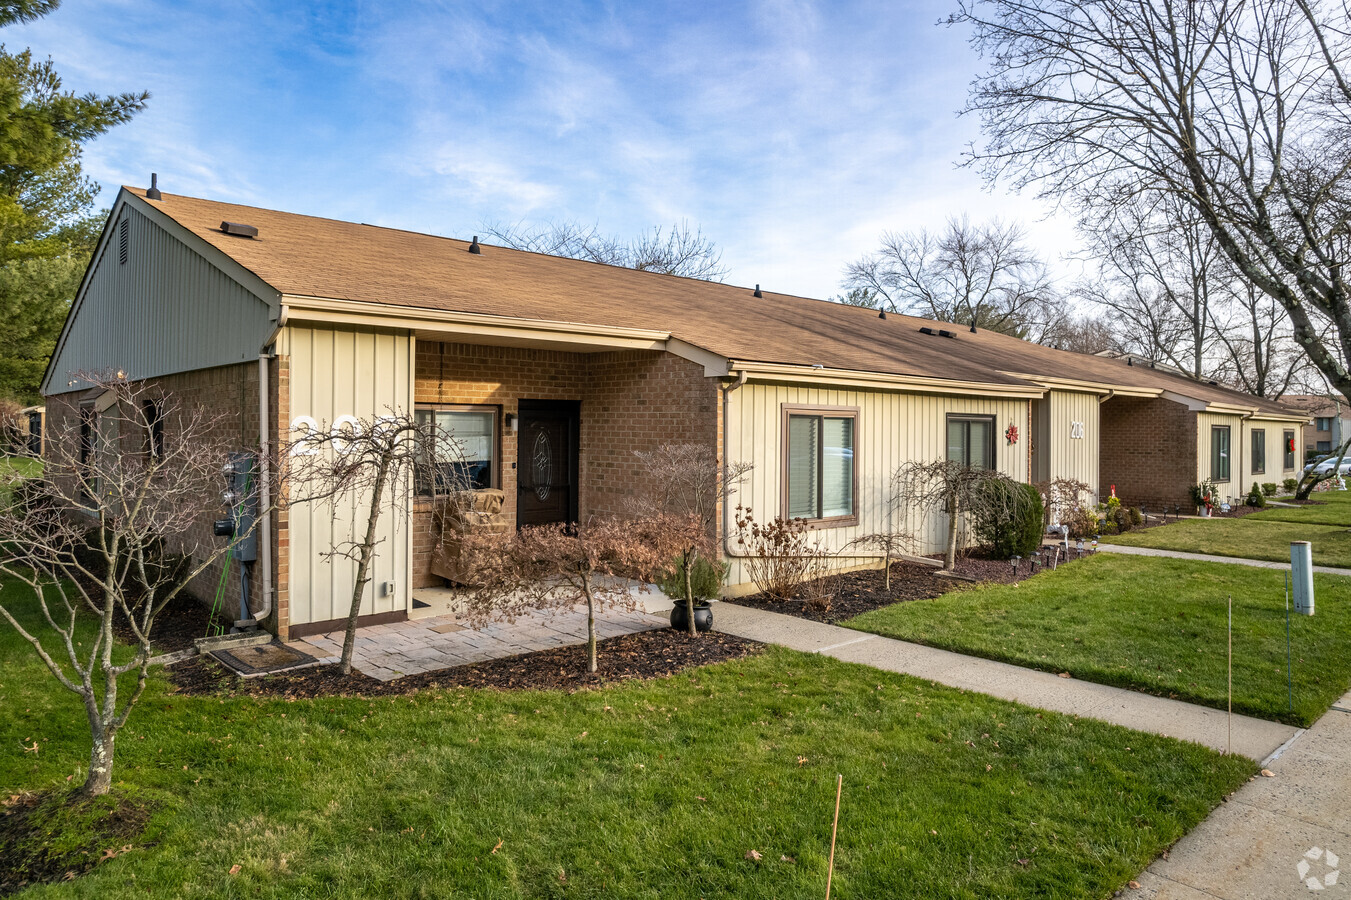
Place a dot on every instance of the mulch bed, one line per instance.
(646, 654)
(25, 857)
(864, 590)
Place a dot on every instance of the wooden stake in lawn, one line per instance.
(830, 870)
(1229, 747)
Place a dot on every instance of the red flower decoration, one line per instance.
(1012, 434)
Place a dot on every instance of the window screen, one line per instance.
(820, 466)
(1259, 451)
(971, 441)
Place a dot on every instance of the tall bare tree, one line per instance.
(677, 250)
(1240, 111)
(112, 530)
(967, 273)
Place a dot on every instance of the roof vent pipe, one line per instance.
(757, 291)
(973, 326)
(882, 314)
(474, 247)
(153, 193)
(1129, 361)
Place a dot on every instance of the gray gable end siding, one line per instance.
(165, 310)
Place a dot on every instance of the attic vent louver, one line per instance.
(947, 334)
(123, 240)
(474, 247)
(925, 329)
(239, 229)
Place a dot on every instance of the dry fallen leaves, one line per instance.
(1133, 885)
(498, 847)
(752, 854)
(1064, 674)
(234, 870)
(787, 859)
(1267, 773)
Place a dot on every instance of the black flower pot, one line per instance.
(703, 617)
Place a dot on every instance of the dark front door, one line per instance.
(546, 464)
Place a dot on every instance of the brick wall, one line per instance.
(228, 397)
(629, 400)
(1148, 450)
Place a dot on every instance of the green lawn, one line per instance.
(654, 789)
(14, 467)
(1248, 538)
(1333, 508)
(1157, 625)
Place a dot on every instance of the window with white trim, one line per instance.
(971, 441)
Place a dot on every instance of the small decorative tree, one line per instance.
(891, 544)
(945, 486)
(113, 529)
(686, 483)
(598, 563)
(1060, 496)
(366, 462)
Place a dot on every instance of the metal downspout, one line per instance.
(726, 458)
(264, 490)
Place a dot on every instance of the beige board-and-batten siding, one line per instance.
(1073, 438)
(1241, 475)
(354, 373)
(892, 429)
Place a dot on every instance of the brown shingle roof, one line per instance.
(310, 256)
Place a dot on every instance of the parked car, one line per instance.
(1324, 466)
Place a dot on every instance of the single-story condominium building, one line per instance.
(552, 372)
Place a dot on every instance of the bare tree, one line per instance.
(1160, 276)
(687, 484)
(1081, 333)
(1255, 348)
(983, 274)
(598, 563)
(113, 529)
(1240, 112)
(366, 464)
(949, 487)
(677, 250)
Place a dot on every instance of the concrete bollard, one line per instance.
(1301, 576)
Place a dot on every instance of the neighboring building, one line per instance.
(554, 371)
(1329, 423)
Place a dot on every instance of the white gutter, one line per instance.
(855, 378)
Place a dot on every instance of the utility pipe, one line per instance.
(264, 490)
(726, 459)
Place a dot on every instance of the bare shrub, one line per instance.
(778, 553)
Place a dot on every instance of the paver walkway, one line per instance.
(1254, 738)
(1252, 846)
(392, 651)
(1208, 557)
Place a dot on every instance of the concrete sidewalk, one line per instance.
(1252, 846)
(1254, 738)
(1207, 557)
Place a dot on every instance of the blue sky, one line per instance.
(793, 133)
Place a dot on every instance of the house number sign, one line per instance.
(1076, 430)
